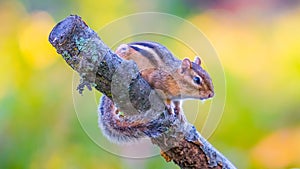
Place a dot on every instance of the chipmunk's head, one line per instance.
(197, 82)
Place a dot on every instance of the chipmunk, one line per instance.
(172, 78)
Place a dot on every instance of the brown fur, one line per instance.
(170, 77)
(173, 85)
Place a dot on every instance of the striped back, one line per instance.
(157, 54)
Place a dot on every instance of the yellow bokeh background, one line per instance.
(258, 45)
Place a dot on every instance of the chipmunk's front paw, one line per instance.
(177, 110)
(169, 109)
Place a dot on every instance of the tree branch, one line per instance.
(101, 68)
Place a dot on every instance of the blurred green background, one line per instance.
(258, 43)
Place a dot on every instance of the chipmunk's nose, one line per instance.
(210, 94)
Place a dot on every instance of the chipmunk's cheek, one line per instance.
(202, 95)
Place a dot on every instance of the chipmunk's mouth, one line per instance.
(207, 95)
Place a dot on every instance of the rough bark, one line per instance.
(98, 65)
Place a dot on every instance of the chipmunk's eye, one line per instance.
(197, 80)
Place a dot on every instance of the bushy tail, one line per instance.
(118, 129)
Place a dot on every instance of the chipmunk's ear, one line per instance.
(186, 64)
(197, 60)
